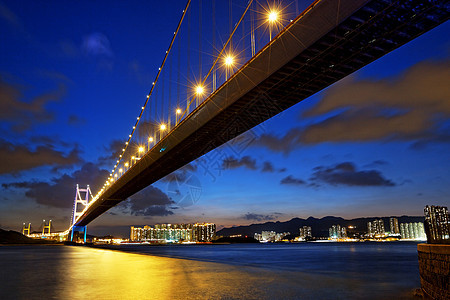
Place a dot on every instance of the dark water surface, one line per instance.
(243, 271)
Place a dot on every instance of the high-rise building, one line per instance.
(343, 232)
(305, 232)
(437, 222)
(280, 236)
(393, 222)
(199, 232)
(337, 232)
(376, 228)
(204, 232)
(268, 236)
(413, 231)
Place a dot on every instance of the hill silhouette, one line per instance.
(319, 227)
(14, 237)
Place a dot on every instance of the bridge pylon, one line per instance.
(46, 226)
(26, 229)
(80, 203)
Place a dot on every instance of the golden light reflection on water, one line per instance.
(61, 272)
(104, 274)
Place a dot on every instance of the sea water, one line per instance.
(239, 271)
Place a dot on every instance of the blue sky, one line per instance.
(73, 78)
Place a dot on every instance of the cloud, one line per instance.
(75, 120)
(96, 44)
(292, 180)
(442, 136)
(150, 201)
(147, 129)
(49, 141)
(412, 107)
(367, 125)
(22, 115)
(140, 73)
(113, 150)
(424, 86)
(376, 163)
(69, 48)
(249, 163)
(180, 175)
(380, 162)
(157, 210)
(18, 158)
(283, 144)
(259, 217)
(268, 167)
(346, 174)
(234, 163)
(60, 191)
(7, 15)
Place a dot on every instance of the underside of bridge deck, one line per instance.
(360, 33)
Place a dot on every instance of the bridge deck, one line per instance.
(327, 42)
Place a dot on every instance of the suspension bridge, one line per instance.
(270, 58)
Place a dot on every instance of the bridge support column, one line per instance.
(79, 229)
(80, 203)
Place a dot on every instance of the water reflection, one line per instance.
(61, 272)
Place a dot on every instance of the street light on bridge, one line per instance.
(228, 62)
(199, 90)
(150, 139)
(272, 17)
(162, 127)
(141, 150)
(177, 112)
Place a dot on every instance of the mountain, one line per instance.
(319, 227)
(14, 237)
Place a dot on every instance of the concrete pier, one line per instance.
(434, 267)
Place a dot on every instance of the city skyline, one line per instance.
(374, 144)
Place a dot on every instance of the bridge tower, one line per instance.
(81, 201)
(46, 226)
(26, 229)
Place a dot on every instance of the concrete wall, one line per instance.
(434, 267)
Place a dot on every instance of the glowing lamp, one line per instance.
(199, 90)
